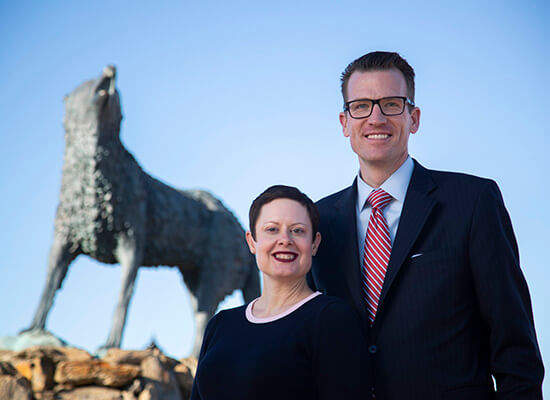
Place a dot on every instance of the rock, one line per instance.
(37, 363)
(6, 355)
(119, 356)
(24, 367)
(155, 372)
(90, 393)
(78, 373)
(128, 396)
(7, 369)
(191, 363)
(184, 377)
(65, 373)
(136, 387)
(55, 354)
(75, 354)
(12, 385)
(37, 370)
(47, 395)
(152, 368)
(15, 388)
(150, 392)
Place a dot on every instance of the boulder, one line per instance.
(91, 393)
(37, 370)
(150, 392)
(13, 386)
(184, 378)
(158, 373)
(119, 356)
(65, 373)
(79, 373)
(6, 355)
(56, 354)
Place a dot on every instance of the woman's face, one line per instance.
(283, 245)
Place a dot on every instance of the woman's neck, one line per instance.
(278, 296)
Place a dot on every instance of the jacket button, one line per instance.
(372, 349)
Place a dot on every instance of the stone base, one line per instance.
(68, 373)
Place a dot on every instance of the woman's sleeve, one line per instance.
(340, 363)
(210, 328)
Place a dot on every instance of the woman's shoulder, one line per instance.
(231, 312)
(226, 316)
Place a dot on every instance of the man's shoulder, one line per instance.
(334, 198)
(461, 189)
(452, 179)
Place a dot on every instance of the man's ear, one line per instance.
(415, 120)
(250, 241)
(316, 243)
(344, 122)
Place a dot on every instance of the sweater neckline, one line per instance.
(262, 320)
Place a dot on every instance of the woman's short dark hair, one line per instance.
(282, 192)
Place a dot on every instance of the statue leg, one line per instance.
(60, 257)
(202, 313)
(128, 254)
(203, 305)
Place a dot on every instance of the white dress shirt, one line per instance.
(396, 185)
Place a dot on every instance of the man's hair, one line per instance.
(379, 61)
(283, 192)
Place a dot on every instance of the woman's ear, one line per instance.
(316, 243)
(250, 241)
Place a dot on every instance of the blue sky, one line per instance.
(235, 96)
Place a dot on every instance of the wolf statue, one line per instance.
(114, 212)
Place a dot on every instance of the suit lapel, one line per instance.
(417, 208)
(344, 232)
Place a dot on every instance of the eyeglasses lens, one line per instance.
(388, 105)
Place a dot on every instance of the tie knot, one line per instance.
(379, 199)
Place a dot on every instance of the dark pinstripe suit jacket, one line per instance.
(454, 308)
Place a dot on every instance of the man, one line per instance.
(430, 261)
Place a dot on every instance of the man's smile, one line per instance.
(377, 136)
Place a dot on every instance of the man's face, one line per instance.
(380, 141)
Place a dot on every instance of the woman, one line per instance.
(290, 343)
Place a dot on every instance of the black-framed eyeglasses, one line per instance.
(389, 106)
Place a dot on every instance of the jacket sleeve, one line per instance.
(504, 300)
(340, 363)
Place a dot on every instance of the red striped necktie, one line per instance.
(377, 251)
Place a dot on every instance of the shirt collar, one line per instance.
(396, 185)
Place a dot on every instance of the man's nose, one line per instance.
(377, 116)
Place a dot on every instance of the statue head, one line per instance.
(94, 107)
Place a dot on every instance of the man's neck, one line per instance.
(375, 174)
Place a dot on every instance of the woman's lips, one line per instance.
(285, 256)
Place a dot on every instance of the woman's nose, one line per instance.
(285, 238)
